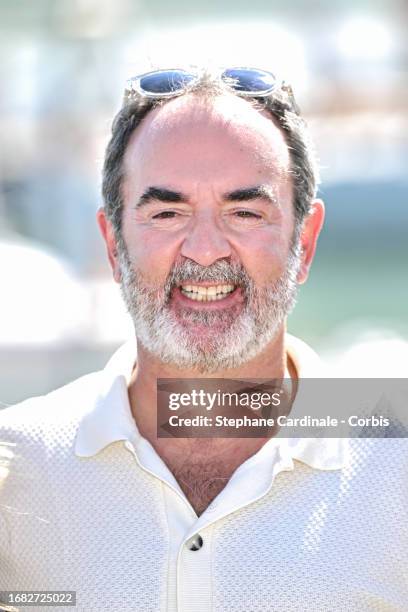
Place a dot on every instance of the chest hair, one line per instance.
(201, 482)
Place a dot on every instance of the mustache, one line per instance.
(220, 272)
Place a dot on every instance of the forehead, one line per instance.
(192, 138)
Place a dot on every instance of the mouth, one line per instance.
(207, 296)
(206, 293)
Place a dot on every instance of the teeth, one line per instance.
(207, 294)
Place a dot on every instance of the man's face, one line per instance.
(208, 264)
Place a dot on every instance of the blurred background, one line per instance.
(64, 63)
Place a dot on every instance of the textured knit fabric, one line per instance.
(86, 504)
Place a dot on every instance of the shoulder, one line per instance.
(49, 419)
(380, 465)
(37, 440)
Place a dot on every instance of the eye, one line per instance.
(165, 214)
(247, 214)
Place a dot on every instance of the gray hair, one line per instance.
(283, 110)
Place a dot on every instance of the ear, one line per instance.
(107, 231)
(312, 225)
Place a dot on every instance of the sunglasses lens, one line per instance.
(166, 81)
(249, 80)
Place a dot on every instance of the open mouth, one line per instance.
(212, 293)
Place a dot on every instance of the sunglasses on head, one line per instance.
(168, 83)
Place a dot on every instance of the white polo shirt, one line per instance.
(86, 504)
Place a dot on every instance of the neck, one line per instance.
(271, 363)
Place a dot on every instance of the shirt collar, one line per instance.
(110, 420)
(318, 453)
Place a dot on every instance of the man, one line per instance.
(210, 220)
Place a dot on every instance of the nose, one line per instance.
(205, 243)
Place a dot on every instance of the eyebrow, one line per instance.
(160, 194)
(252, 193)
(238, 195)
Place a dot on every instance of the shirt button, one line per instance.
(195, 543)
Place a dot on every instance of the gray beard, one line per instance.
(242, 331)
